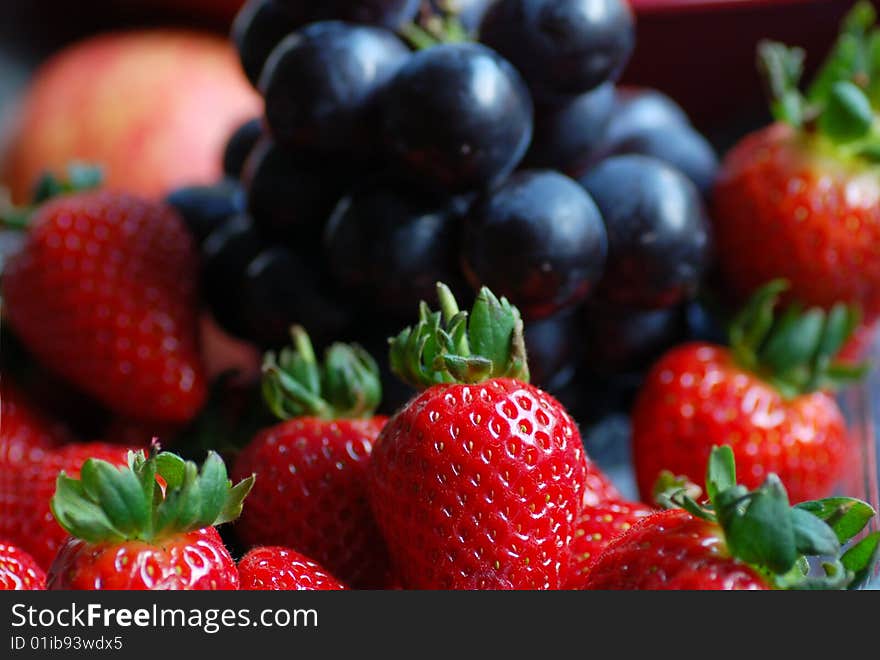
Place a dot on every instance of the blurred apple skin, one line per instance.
(155, 108)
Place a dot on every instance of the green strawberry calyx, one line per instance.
(794, 349)
(78, 177)
(783, 543)
(156, 495)
(454, 346)
(437, 23)
(840, 105)
(345, 385)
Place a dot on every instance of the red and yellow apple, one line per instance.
(155, 108)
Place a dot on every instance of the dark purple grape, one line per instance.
(204, 208)
(259, 27)
(562, 46)
(240, 145)
(290, 194)
(386, 13)
(226, 253)
(681, 146)
(538, 239)
(281, 289)
(568, 131)
(658, 231)
(391, 243)
(319, 84)
(639, 110)
(553, 347)
(622, 340)
(457, 115)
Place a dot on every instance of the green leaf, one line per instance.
(847, 115)
(181, 507)
(214, 488)
(79, 515)
(841, 322)
(115, 504)
(841, 64)
(873, 57)
(750, 327)
(846, 516)
(118, 493)
(762, 533)
(782, 68)
(235, 501)
(491, 328)
(794, 340)
(871, 150)
(171, 468)
(458, 346)
(850, 55)
(721, 471)
(812, 536)
(860, 558)
(671, 491)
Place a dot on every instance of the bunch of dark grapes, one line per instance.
(474, 142)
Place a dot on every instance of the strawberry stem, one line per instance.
(295, 384)
(453, 346)
(794, 349)
(116, 504)
(762, 529)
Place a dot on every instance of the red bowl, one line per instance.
(702, 52)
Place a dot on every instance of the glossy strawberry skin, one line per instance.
(311, 495)
(281, 569)
(478, 486)
(19, 571)
(671, 550)
(27, 486)
(781, 209)
(696, 397)
(104, 293)
(597, 527)
(193, 561)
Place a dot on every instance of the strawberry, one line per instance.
(766, 395)
(147, 525)
(478, 480)
(739, 539)
(801, 198)
(19, 571)
(26, 487)
(597, 527)
(281, 569)
(103, 292)
(311, 491)
(24, 432)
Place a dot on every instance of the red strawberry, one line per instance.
(311, 491)
(19, 571)
(282, 569)
(739, 540)
(597, 527)
(801, 198)
(764, 396)
(147, 525)
(27, 486)
(104, 293)
(598, 489)
(476, 482)
(24, 432)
